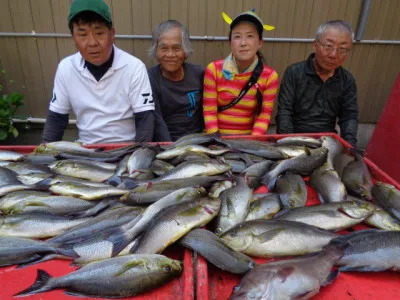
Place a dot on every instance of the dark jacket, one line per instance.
(306, 104)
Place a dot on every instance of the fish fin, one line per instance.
(128, 266)
(36, 259)
(269, 180)
(281, 212)
(70, 253)
(307, 151)
(269, 235)
(285, 272)
(305, 295)
(331, 277)
(362, 269)
(321, 198)
(38, 286)
(81, 295)
(44, 184)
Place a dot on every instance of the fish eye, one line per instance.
(233, 234)
(218, 230)
(167, 269)
(236, 289)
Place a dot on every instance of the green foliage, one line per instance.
(9, 104)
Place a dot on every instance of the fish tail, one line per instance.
(114, 180)
(40, 284)
(44, 184)
(70, 253)
(269, 180)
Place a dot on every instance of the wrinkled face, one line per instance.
(245, 42)
(170, 52)
(94, 41)
(331, 49)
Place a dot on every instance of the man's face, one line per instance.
(94, 41)
(331, 49)
(170, 53)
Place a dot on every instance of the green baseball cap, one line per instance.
(97, 6)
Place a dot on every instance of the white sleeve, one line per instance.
(140, 94)
(60, 102)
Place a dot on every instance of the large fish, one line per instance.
(254, 173)
(274, 238)
(86, 192)
(174, 222)
(370, 251)
(235, 203)
(81, 170)
(118, 277)
(36, 225)
(6, 155)
(292, 190)
(328, 185)
(62, 146)
(298, 278)
(357, 179)
(264, 208)
(179, 150)
(387, 196)
(216, 252)
(140, 159)
(22, 168)
(299, 141)
(334, 147)
(331, 216)
(15, 250)
(303, 164)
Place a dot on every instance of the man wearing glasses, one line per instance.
(316, 92)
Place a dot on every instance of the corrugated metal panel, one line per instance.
(32, 62)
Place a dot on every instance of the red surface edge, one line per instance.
(383, 147)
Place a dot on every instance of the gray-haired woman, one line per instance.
(177, 85)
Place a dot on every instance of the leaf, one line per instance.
(3, 134)
(14, 131)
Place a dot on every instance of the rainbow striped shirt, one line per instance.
(239, 119)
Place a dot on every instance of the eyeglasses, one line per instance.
(330, 48)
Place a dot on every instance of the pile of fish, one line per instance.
(114, 212)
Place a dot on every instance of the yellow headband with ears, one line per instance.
(250, 12)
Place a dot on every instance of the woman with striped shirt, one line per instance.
(225, 79)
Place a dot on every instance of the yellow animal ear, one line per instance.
(226, 18)
(269, 27)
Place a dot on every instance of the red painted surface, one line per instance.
(383, 148)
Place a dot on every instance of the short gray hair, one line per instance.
(162, 28)
(336, 24)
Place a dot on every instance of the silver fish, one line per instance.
(388, 197)
(292, 190)
(264, 208)
(328, 185)
(6, 155)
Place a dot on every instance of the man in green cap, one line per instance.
(107, 89)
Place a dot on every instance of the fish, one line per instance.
(195, 168)
(81, 170)
(264, 208)
(117, 277)
(160, 167)
(179, 150)
(8, 177)
(370, 251)
(299, 141)
(334, 147)
(140, 159)
(153, 191)
(48, 181)
(194, 139)
(235, 203)
(275, 238)
(387, 196)
(254, 173)
(263, 149)
(188, 156)
(6, 189)
(208, 245)
(357, 179)
(303, 164)
(58, 205)
(292, 190)
(293, 151)
(6, 155)
(238, 166)
(84, 191)
(297, 278)
(27, 168)
(40, 159)
(36, 225)
(15, 250)
(330, 216)
(62, 146)
(328, 185)
(174, 222)
(341, 161)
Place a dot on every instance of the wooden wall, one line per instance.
(32, 62)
